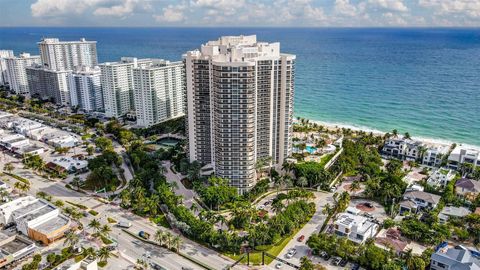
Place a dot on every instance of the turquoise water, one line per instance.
(424, 81)
(311, 149)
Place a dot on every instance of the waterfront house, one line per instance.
(434, 155)
(401, 148)
(461, 155)
(467, 188)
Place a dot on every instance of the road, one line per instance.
(313, 226)
(180, 189)
(129, 247)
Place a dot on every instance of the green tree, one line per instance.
(306, 264)
(104, 254)
(95, 225)
(8, 167)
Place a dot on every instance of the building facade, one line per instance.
(66, 55)
(158, 92)
(49, 84)
(16, 71)
(239, 106)
(86, 89)
(117, 85)
(3, 65)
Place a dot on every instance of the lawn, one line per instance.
(256, 256)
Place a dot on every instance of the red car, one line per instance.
(301, 238)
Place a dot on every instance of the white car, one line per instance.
(279, 265)
(291, 252)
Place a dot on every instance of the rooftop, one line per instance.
(428, 197)
(52, 224)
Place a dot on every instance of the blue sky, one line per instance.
(321, 13)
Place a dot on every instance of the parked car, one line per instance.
(355, 266)
(279, 265)
(336, 261)
(343, 262)
(301, 238)
(291, 253)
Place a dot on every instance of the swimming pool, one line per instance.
(311, 149)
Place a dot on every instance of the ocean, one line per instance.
(422, 81)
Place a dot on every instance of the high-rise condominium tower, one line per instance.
(16, 71)
(239, 106)
(86, 89)
(3, 65)
(49, 84)
(66, 55)
(117, 85)
(158, 92)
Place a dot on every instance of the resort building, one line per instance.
(49, 84)
(66, 55)
(454, 258)
(414, 200)
(461, 155)
(158, 92)
(117, 85)
(440, 178)
(467, 188)
(435, 155)
(3, 66)
(86, 89)
(401, 148)
(357, 228)
(16, 71)
(239, 106)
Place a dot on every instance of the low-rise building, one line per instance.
(454, 258)
(14, 247)
(35, 218)
(23, 125)
(13, 141)
(60, 139)
(440, 178)
(452, 211)
(415, 200)
(357, 228)
(467, 188)
(462, 154)
(67, 164)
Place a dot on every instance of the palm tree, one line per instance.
(302, 181)
(395, 133)
(104, 254)
(8, 167)
(355, 186)
(159, 237)
(407, 135)
(169, 238)
(71, 239)
(105, 230)
(76, 182)
(176, 243)
(95, 225)
(20, 186)
(89, 252)
(3, 194)
(327, 209)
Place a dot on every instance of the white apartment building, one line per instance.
(355, 227)
(158, 92)
(16, 71)
(66, 55)
(49, 84)
(239, 106)
(86, 89)
(462, 154)
(117, 85)
(3, 65)
(440, 178)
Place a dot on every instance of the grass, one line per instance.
(105, 240)
(102, 264)
(83, 207)
(111, 220)
(256, 256)
(19, 178)
(93, 212)
(160, 220)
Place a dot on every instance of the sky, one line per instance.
(271, 13)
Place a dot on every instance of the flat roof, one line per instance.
(29, 208)
(16, 245)
(42, 211)
(52, 224)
